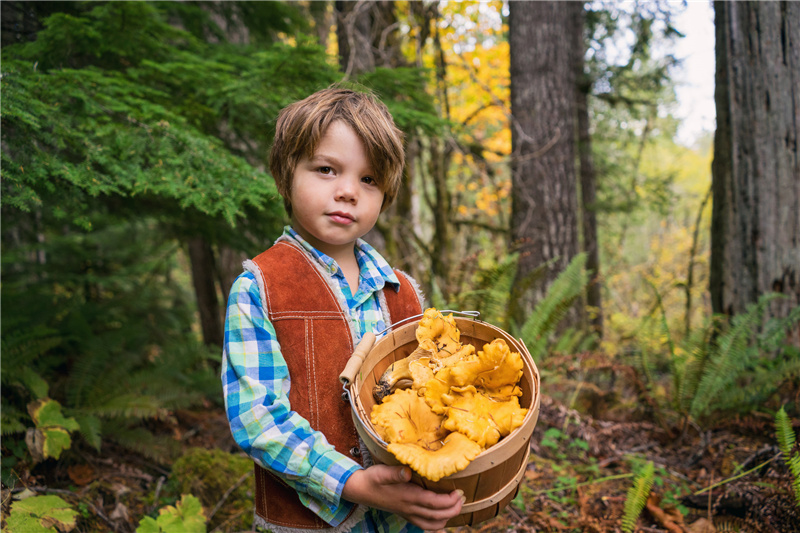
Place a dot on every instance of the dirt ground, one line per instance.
(579, 473)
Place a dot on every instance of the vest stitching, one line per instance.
(311, 374)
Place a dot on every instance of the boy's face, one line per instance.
(334, 198)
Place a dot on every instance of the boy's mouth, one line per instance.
(341, 217)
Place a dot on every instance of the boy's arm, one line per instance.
(255, 382)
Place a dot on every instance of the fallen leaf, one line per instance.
(81, 475)
(702, 526)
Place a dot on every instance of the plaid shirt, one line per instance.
(256, 383)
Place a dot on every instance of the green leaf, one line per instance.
(185, 517)
(47, 413)
(51, 435)
(41, 514)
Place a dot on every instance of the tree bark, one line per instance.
(755, 226)
(367, 33)
(203, 276)
(588, 176)
(544, 223)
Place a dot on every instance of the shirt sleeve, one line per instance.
(256, 381)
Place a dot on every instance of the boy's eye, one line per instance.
(369, 180)
(325, 170)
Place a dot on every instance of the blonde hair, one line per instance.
(302, 124)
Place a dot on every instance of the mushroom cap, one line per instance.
(454, 456)
(404, 417)
(493, 367)
(440, 329)
(481, 418)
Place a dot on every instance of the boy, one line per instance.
(296, 313)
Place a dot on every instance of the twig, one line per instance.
(590, 482)
(229, 520)
(159, 485)
(724, 481)
(228, 493)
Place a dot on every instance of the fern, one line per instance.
(491, 292)
(561, 295)
(637, 497)
(20, 379)
(691, 371)
(737, 355)
(786, 442)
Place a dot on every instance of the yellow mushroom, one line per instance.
(454, 456)
(404, 417)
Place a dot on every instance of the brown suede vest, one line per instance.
(316, 341)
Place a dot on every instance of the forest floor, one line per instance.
(580, 470)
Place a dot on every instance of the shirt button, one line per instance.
(355, 451)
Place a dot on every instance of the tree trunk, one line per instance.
(755, 226)
(203, 275)
(323, 20)
(353, 29)
(588, 176)
(367, 33)
(544, 224)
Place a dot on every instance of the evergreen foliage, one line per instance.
(129, 128)
(569, 286)
(637, 496)
(731, 365)
(742, 366)
(787, 444)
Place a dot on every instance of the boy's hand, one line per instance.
(388, 488)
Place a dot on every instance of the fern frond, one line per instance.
(159, 448)
(12, 420)
(491, 292)
(731, 356)
(763, 378)
(90, 429)
(786, 442)
(784, 433)
(692, 370)
(562, 293)
(637, 497)
(132, 405)
(20, 350)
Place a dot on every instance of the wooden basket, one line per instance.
(491, 480)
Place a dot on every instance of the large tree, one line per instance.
(544, 222)
(755, 233)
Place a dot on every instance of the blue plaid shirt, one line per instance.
(256, 381)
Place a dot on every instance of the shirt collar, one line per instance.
(374, 270)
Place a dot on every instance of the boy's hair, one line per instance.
(302, 124)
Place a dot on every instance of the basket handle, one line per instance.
(353, 365)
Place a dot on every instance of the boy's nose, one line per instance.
(347, 190)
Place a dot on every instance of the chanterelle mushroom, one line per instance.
(460, 402)
(404, 417)
(454, 456)
(481, 418)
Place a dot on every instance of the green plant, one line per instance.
(568, 287)
(51, 435)
(186, 516)
(729, 366)
(41, 514)
(210, 473)
(739, 369)
(787, 443)
(490, 291)
(637, 496)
